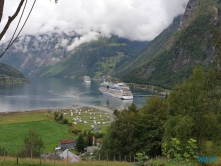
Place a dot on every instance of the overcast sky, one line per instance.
(132, 19)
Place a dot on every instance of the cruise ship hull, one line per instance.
(120, 96)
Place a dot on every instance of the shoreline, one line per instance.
(74, 106)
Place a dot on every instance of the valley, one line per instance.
(175, 79)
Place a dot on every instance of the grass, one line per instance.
(36, 162)
(13, 134)
(14, 127)
(100, 116)
(12, 161)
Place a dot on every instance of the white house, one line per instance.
(71, 157)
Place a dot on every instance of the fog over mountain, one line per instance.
(140, 20)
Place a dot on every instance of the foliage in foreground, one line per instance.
(191, 112)
(194, 110)
(37, 162)
(33, 145)
(129, 130)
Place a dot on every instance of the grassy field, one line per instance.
(14, 127)
(36, 162)
(12, 161)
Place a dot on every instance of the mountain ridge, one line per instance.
(9, 75)
(190, 45)
(45, 57)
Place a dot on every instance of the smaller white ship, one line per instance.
(119, 90)
(87, 79)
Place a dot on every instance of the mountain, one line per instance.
(46, 55)
(10, 75)
(154, 47)
(168, 60)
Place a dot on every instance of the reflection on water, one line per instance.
(59, 93)
(119, 104)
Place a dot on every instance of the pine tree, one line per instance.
(90, 139)
(80, 144)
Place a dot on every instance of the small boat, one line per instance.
(87, 79)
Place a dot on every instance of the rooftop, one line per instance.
(65, 141)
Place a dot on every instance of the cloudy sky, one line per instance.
(132, 19)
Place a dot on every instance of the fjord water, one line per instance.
(59, 93)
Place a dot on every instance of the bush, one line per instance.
(75, 131)
(65, 121)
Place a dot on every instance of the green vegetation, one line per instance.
(178, 155)
(36, 162)
(129, 130)
(33, 145)
(97, 58)
(182, 50)
(154, 47)
(50, 132)
(49, 128)
(80, 143)
(194, 109)
(9, 75)
(180, 126)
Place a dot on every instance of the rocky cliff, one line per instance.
(190, 45)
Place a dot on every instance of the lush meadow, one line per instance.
(14, 127)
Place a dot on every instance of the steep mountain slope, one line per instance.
(46, 55)
(190, 45)
(10, 75)
(154, 47)
(97, 58)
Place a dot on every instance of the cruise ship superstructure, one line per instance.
(119, 90)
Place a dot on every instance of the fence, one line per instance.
(18, 155)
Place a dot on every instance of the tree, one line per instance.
(56, 115)
(65, 121)
(137, 130)
(80, 144)
(194, 109)
(2, 151)
(123, 132)
(152, 119)
(1, 8)
(33, 145)
(11, 18)
(85, 133)
(90, 138)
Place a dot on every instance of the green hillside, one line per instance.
(10, 75)
(192, 44)
(46, 56)
(156, 46)
(97, 58)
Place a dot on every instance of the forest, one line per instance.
(184, 124)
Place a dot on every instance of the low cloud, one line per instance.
(85, 38)
(140, 20)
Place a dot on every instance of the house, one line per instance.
(71, 157)
(90, 149)
(67, 143)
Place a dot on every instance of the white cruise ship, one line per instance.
(118, 90)
(87, 79)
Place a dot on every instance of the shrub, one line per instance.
(65, 121)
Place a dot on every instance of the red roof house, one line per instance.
(66, 143)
